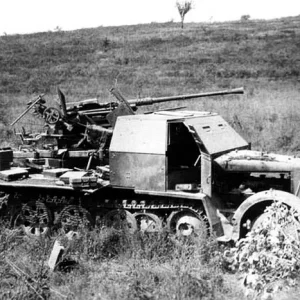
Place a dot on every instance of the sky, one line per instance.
(28, 16)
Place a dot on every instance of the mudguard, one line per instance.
(256, 199)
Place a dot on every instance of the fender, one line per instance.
(257, 200)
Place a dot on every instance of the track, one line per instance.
(40, 211)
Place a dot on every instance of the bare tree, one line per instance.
(183, 8)
(245, 18)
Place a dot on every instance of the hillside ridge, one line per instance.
(149, 59)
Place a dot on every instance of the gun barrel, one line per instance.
(98, 128)
(27, 110)
(62, 100)
(149, 101)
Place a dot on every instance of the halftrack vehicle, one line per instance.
(101, 164)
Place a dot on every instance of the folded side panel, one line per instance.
(216, 134)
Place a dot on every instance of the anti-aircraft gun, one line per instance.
(78, 134)
(102, 163)
(101, 160)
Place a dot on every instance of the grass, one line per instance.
(145, 58)
(111, 264)
(114, 265)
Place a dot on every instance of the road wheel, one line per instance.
(147, 222)
(185, 223)
(34, 218)
(120, 219)
(74, 217)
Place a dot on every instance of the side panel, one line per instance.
(135, 134)
(216, 134)
(206, 170)
(295, 187)
(213, 202)
(138, 170)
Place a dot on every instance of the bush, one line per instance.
(269, 256)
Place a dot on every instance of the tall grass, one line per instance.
(113, 265)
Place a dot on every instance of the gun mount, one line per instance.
(75, 123)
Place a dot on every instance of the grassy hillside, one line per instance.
(160, 60)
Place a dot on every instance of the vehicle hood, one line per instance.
(257, 161)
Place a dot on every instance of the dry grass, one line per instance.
(114, 265)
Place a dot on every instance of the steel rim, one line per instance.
(74, 217)
(35, 219)
(186, 223)
(147, 222)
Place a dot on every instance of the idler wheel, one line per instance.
(74, 217)
(35, 219)
(185, 223)
(120, 219)
(148, 222)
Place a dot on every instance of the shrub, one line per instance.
(106, 44)
(270, 253)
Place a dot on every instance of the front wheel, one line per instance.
(279, 219)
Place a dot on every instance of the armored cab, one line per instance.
(164, 151)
